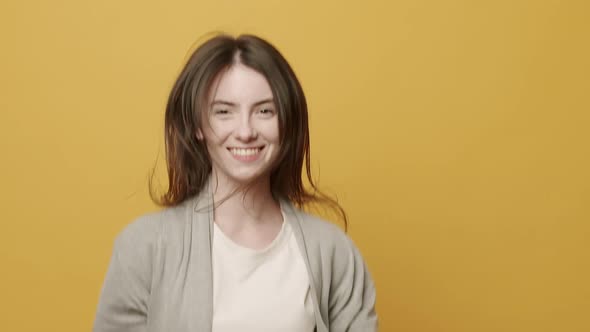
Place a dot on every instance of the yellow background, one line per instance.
(455, 133)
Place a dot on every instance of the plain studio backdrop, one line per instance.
(455, 134)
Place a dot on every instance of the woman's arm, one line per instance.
(352, 293)
(123, 303)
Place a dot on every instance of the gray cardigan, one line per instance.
(159, 277)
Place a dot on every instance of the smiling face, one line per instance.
(242, 127)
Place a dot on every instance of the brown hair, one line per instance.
(188, 162)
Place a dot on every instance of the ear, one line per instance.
(199, 134)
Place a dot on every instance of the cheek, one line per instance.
(271, 131)
(216, 133)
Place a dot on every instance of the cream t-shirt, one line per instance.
(260, 290)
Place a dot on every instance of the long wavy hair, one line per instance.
(187, 159)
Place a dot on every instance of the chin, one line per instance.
(247, 177)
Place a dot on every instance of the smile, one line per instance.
(245, 154)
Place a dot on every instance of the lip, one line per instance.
(247, 158)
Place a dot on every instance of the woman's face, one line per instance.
(242, 131)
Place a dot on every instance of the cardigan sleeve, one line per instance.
(352, 292)
(123, 303)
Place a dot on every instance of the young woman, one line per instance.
(233, 250)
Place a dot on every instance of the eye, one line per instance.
(220, 112)
(266, 111)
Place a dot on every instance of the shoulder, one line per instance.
(316, 227)
(146, 233)
(326, 237)
(330, 245)
(142, 230)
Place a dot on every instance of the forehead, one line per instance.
(240, 84)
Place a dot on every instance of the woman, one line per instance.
(233, 251)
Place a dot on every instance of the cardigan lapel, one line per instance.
(202, 220)
(297, 222)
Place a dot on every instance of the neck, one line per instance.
(242, 206)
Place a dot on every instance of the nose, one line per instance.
(245, 131)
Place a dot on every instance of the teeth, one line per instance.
(245, 152)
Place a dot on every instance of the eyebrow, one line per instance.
(229, 103)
